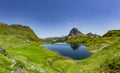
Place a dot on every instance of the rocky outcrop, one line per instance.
(92, 35)
(3, 51)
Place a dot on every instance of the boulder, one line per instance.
(3, 51)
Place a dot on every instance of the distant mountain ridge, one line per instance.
(74, 32)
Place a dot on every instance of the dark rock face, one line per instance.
(75, 32)
(3, 51)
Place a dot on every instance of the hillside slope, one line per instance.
(114, 33)
(14, 37)
(15, 34)
(23, 32)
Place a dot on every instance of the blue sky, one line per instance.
(49, 18)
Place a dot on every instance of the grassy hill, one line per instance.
(21, 32)
(15, 35)
(114, 33)
(24, 54)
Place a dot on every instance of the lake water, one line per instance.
(74, 51)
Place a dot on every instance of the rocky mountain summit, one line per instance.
(75, 32)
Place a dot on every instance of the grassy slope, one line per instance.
(100, 62)
(106, 60)
(21, 46)
(5, 63)
(14, 36)
(35, 59)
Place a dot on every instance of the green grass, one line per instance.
(107, 60)
(41, 60)
(15, 36)
(36, 59)
(5, 64)
(21, 46)
(99, 62)
(112, 33)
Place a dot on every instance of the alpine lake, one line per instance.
(72, 51)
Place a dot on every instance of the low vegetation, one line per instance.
(24, 53)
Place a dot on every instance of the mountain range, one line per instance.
(74, 32)
(25, 33)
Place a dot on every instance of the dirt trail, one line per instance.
(94, 51)
(103, 46)
(51, 65)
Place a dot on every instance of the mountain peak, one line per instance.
(74, 32)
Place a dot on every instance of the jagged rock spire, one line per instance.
(75, 32)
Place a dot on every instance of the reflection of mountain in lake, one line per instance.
(74, 46)
(74, 51)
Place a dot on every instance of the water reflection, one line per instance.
(74, 46)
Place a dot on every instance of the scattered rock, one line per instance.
(20, 70)
(13, 63)
(3, 51)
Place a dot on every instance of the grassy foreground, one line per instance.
(24, 53)
(35, 59)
